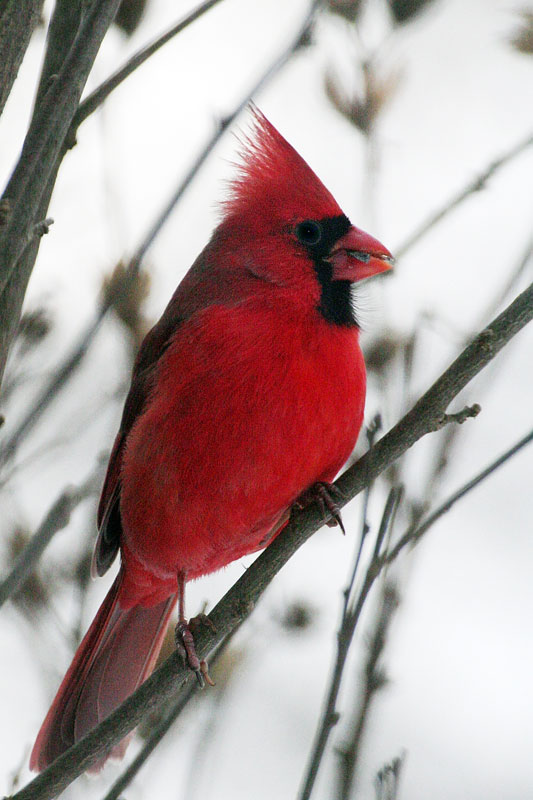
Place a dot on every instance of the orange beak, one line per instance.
(357, 256)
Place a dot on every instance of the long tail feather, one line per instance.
(117, 654)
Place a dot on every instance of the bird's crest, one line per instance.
(273, 179)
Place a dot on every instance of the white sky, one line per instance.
(459, 702)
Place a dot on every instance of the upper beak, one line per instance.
(357, 256)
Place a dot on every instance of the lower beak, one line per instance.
(357, 256)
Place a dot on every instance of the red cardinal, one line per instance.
(248, 392)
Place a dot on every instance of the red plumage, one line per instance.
(248, 391)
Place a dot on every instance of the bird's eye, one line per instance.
(309, 232)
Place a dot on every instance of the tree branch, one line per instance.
(415, 532)
(353, 607)
(44, 142)
(17, 23)
(473, 186)
(373, 680)
(102, 92)
(57, 518)
(165, 684)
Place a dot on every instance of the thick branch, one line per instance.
(18, 20)
(44, 140)
(165, 684)
(426, 413)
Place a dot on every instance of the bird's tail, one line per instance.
(117, 654)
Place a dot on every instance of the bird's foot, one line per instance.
(186, 648)
(326, 495)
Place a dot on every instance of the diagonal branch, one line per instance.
(415, 532)
(472, 187)
(57, 518)
(164, 686)
(75, 34)
(47, 132)
(102, 92)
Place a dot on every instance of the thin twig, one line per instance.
(447, 441)
(296, 42)
(57, 518)
(102, 92)
(75, 357)
(350, 618)
(152, 741)
(162, 728)
(415, 532)
(473, 186)
(74, 36)
(501, 295)
(58, 380)
(166, 683)
(373, 681)
(387, 779)
(371, 435)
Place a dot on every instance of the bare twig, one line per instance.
(387, 780)
(415, 532)
(102, 92)
(296, 42)
(446, 442)
(17, 23)
(373, 681)
(468, 412)
(350, 619)
(165, 684)
(55, 520)
(47, 132)
(472, 187)
(160, 730)
(501, 295)
(58, 380)
(155, 737)
(73, 360)
(371, 435)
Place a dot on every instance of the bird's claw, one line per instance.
(187, 651)
(325, 494)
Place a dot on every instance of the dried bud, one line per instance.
(522, 38)
(382, 351)
(33, 594)
(34, 326)
(298, 616)
(349, 9)
(362, 111)
(405, 10)
(125, 293)
(129, 15)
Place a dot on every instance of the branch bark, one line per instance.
(18, 20)
(36, 170)
(164, 686)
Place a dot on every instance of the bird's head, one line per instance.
(292, 228)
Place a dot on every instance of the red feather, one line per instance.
(248, 391)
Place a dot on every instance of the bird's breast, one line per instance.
(249, 409)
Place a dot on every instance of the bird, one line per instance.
(246, 397)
